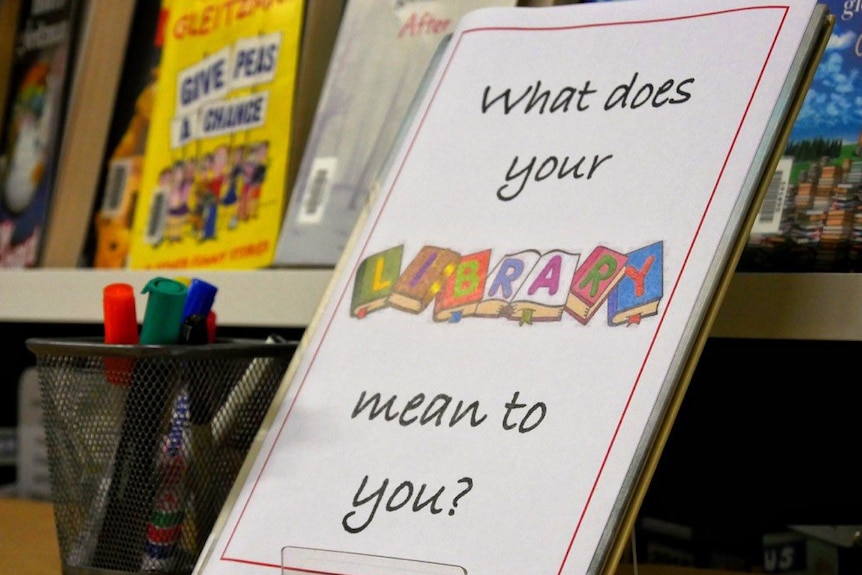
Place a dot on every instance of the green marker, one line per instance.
(164, 314)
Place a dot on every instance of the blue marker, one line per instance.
(199, 299)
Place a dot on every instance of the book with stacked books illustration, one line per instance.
(811, 218)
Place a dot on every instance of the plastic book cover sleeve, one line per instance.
(382, 52)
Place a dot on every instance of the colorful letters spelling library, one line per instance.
(527, 286)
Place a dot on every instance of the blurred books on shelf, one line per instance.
(104, 32)
(791, 552)
(8, 25)
(31, 461)
(109, 226)
(109, 236)
(659, 541)
(35, 114)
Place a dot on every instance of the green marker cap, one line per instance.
(164, 313)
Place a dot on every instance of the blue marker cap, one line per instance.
(199, 299)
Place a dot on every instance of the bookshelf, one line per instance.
(772, 306)
(795, 306)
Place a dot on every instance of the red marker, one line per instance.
(121, 327)
(211, 327)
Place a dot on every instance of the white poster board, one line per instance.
(505, 438)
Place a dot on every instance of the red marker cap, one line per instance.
(121, 321)
(121, 327)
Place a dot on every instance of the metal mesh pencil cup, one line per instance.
(145, 442)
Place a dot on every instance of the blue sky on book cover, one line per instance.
(833, 104)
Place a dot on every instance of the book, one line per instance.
(22, 459)
(523, 286)
(9, 10)
(212, 182)
(320, 30)
(109, 237)
(401, 441)
(381, 53)
(375, 279)
(698, 547)
(98, 62)
(544, 292)
(593, 281)
(464, 289)
(639, 291)
(32, 472)
(506, 278)
(35, 114)
(797, 553)
(423, 278)
(822, 152)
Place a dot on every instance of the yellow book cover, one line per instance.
(212, 188)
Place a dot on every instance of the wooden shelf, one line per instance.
(791, 306)
(770, 306)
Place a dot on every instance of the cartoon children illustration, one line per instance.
(256, 177)
(247, 168)
(195, 181)
(178, 207)
(231, 196)
(187, 187)
(215, 170)
(158, 209)
(207, 199)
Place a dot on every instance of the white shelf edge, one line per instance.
(259, 298)
(757, 305)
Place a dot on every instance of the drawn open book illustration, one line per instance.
(507, 277)
(542, 296)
